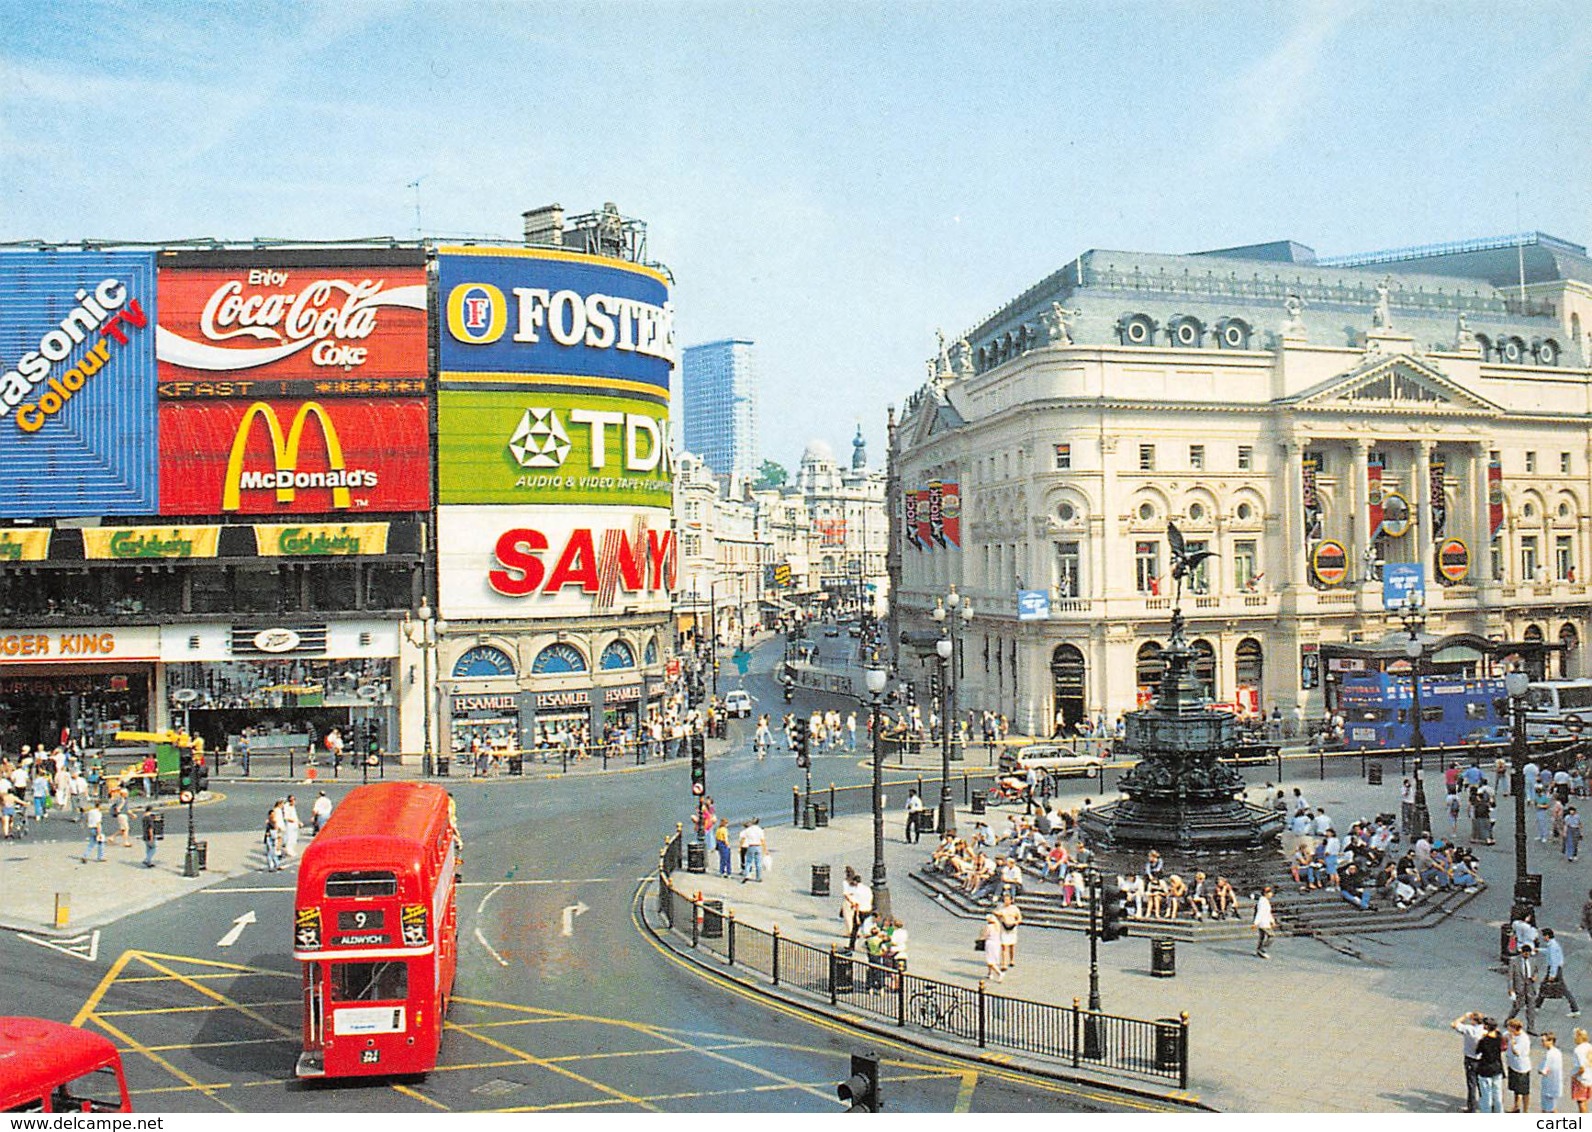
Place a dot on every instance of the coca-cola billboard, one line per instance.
(229, 321)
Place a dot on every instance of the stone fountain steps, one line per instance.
(1318, 913)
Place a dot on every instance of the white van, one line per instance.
(737, 703)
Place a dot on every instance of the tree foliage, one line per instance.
(771, 474)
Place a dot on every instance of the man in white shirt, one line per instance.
(290, 827)
(321, 811)
(859, 906)
(914, 817)
(754, 841)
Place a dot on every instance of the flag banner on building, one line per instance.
(831, 532)
(150, 542)
(925, 531)
(24, 544)
(1310, 464)
(1373, 497)
(909, 501)
(1495, 498)
(1439, 500)
(951, 513)
(936, 492)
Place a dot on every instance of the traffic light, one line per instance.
(801, 739)
(699, 765)
(1113, 912)
(861, 1089)
(912, 696)
(186, 787)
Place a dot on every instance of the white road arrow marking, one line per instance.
(84, 947)
(570, 912)
(238, 925)
(501, 962)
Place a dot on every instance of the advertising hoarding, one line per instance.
(530, 562)
(542, 446)
(555, 318)
(77, 383)
(294, 457)
(282, 317)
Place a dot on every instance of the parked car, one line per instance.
(832, 631)
(738, 703)
(1056, 759)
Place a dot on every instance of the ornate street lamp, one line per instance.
(1414, 620)
(875, 677)
(423, 631)
(1516, 684)
(953, 613)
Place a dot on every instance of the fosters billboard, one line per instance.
(77, 383)
(293, 383)
(528, 562)
(555, 371)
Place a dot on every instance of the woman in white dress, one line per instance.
(991, 939)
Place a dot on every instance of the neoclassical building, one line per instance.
(1418, 415)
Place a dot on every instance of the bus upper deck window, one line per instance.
(346, 885)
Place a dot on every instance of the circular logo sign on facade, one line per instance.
(1329, 561)
(276, 640)
(1453, 560)
(1395, 515)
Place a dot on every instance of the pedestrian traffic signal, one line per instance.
(1113, 912)
(801, 739)
(699, 765)
(861, 1090)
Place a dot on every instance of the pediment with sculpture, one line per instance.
(1401, 383)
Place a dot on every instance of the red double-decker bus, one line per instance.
(376, 926)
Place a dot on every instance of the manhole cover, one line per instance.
(497, 1087)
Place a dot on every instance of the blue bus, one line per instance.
(1455, 710)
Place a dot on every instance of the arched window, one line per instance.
(1249, 673)
(650, 656)
(483, 661)
(1149, 666)
(1067, 674)
(1569, 659)
(617, 655)
(1205, 667)
(558, 658)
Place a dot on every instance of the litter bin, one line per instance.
(712, 919)
(517, 764)
(820, 814)
(1168, 1043)
(1163, 958)
(980, 801)
(840, 973)
(927, 817)
(159, 822)
(820, 880)
(1373, 774)
(202, 849)
(1505, 932)
(444, 767)
(696, 857)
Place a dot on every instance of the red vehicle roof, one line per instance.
(385, 825)
(37, 1054)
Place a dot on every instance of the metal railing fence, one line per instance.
(1156, 1051)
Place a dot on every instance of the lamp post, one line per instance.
(1516, 683)
(423, 630)
(953, 613)
(1414, 648)
(875, 678)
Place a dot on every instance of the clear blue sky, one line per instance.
(833, 181)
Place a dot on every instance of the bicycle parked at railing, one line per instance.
(939, 1008)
